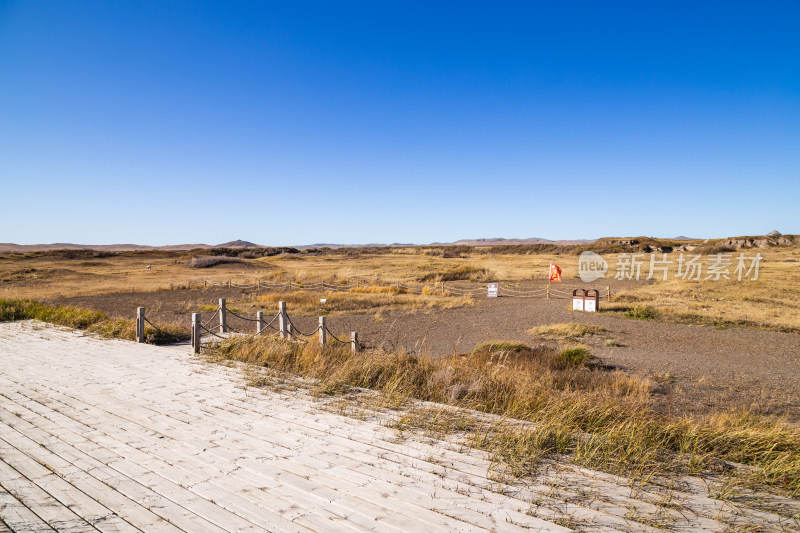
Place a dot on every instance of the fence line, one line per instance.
(552, 291)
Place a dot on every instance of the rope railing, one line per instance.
(165, 333)
(211, 332)
(228, 311)
(455, 290)
(269, 325)
(297, 331)
(334, 337)
(212, 318)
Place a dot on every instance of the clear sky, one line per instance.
(297, 122)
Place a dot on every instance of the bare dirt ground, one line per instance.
(694, 369)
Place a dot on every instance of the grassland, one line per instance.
(768, 302)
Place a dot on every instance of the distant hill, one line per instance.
(499, 241)
(24, 248)
(239, 244)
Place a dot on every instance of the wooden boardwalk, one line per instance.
(103, 435)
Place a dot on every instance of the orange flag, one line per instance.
(555, 273)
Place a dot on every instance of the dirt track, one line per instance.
(702, 367)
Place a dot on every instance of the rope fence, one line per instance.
(438, 288)
(166, 334)
(287, 329)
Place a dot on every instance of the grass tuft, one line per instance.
(576, 355)
(644, 313)
(567, 330)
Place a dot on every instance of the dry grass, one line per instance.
(552, 405)
(768, 302)
(91, 321)
(361, 299)
(566, 330)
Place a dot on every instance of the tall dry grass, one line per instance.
(360, 299)
(84, 319)
(598, 418)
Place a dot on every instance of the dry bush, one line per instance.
(212, 261)
(461, 273)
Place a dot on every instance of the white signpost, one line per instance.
(492, 290)
(577, 302)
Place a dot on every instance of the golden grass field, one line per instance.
(768, 302)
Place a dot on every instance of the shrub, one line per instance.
(575, 356)
(211, 261)
(644, 313)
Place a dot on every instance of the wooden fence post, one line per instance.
(282, 319)
(259, 322)
(223, 316)
(548, 292)
(322, 331)
(608, 293)
(354, 346)
(289, 332)
(196, 332)
(140, 324)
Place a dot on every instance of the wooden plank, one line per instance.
(43, 475)
(43, 505)
(487, 522)
(15, 516)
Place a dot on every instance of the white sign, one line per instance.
(590, 305)
(577, 303)
(492, 290)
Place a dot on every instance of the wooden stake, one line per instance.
(196, 332)
(323, 333)
(282, 319)
(223, 316)
(140, 324)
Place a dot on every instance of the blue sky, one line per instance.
(301, 122)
